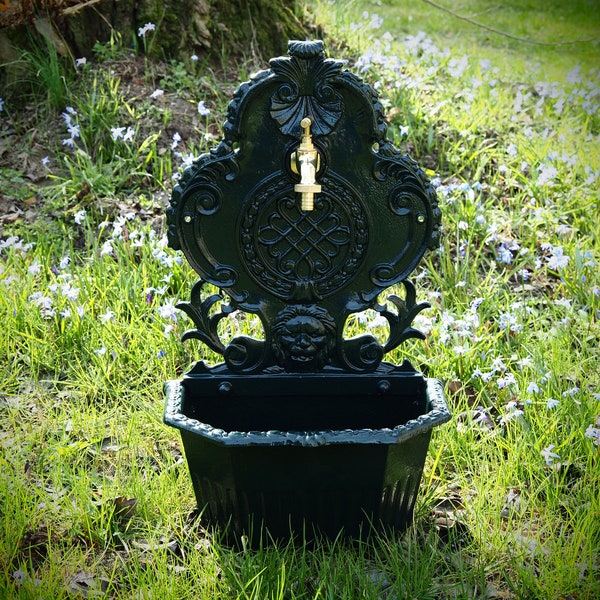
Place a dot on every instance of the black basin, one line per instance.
(299, 454)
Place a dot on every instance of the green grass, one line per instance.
(95, 497)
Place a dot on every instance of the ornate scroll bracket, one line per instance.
(364, 353)
(301, 338)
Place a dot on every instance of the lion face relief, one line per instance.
(303, 338)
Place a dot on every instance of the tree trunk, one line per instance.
(256, 28)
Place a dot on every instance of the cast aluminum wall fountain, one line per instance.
(302, 216)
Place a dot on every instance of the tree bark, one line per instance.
(259, 28)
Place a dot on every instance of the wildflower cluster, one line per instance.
(482, 241)
(63, 292)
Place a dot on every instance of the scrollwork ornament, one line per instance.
(400, 322)
(198, 193)
(199, 310)
(361, 354)
(246, 354)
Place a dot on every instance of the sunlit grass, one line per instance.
(94, 492)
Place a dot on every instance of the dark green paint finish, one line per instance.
(287, 424)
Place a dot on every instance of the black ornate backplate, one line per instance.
(238, 220)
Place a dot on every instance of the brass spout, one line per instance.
(306, 162)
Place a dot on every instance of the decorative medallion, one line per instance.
(302, 255)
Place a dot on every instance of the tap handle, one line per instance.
(306, 163)
(306, 142)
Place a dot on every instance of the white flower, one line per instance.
(168, 311)
(509, 321)
(512, 412)
(533, 388)
(546, 175)
(504, 254)
(376, 21)
(79, 217)
(79, 62)
(594, 434)
(187, 160)
(70, 293)
(498, 364)
(142, 31)
(508, 379)
(117, 132)
(107, 249)
(202, 109)
(109, 315)
(457, 66)
(128, 135)
(552, 403)
(157, 94)
(194, 57)
(65, 261)
(558, 260)
(44, 302)
(511, 150)
(34, 268)
(525, 362)
(548, 455)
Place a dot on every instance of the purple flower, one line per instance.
(593, 433)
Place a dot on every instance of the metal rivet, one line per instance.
(225, 388)
(383, 386)
(187, 219)
(421, 218)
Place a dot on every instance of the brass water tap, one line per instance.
(306, 161)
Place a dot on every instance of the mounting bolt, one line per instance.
(225, 388)
(187, 218)
(420, 218)
(383, 387)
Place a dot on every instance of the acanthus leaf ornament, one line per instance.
(305, 90)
